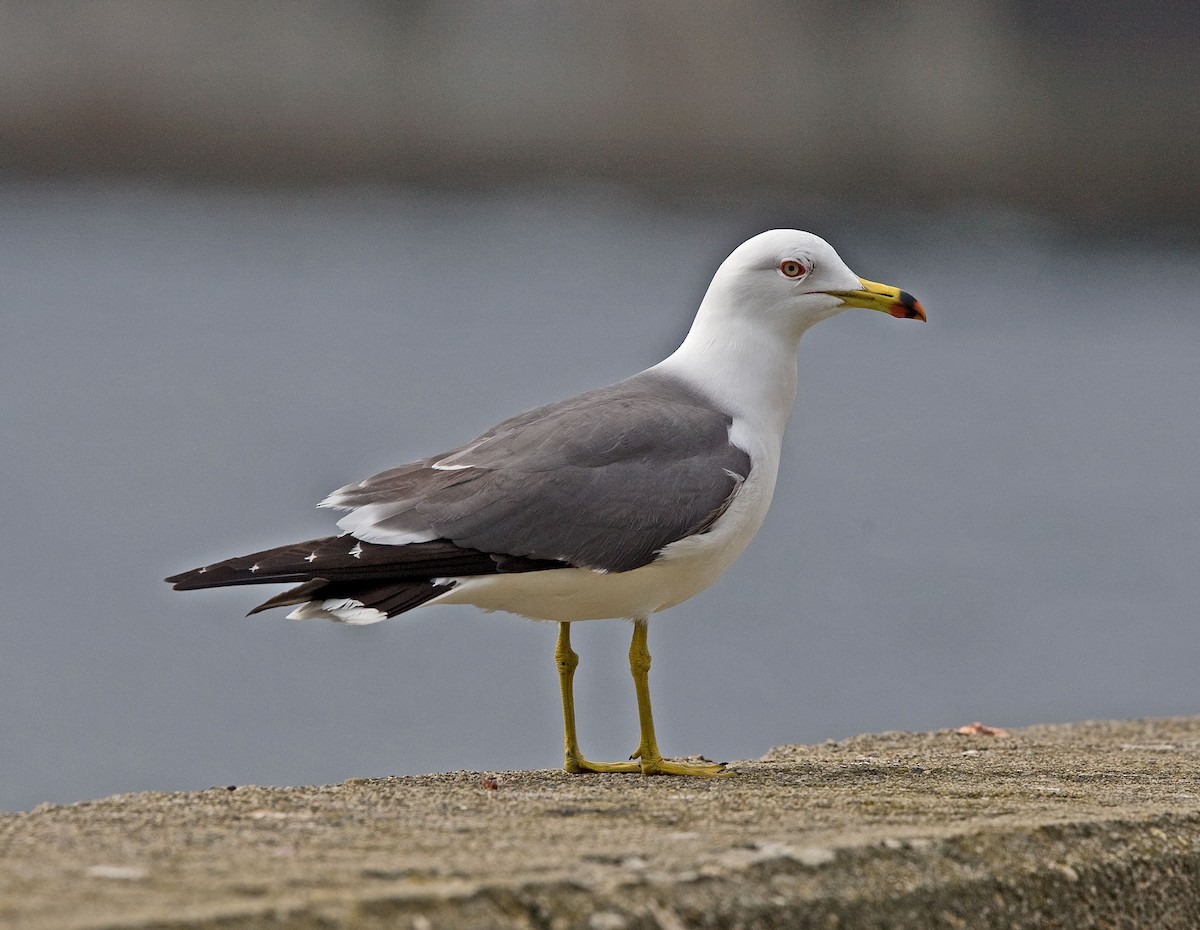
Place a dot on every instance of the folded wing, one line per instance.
(602, 481)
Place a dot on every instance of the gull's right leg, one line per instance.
(653, 762)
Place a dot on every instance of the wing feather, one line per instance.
(603, 480)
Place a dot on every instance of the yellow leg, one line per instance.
(652, 762)
(567, 661)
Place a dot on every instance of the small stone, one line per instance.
(607, 920)
(979, 729)
(813, 856)
(666, 918)
(119, 873)
(740, 858)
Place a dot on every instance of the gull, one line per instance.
(617, 503)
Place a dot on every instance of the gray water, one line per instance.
(994, 516)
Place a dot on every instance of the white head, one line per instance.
(789, 280)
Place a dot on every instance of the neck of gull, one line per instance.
(746, 367)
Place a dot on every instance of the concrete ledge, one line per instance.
(1079, 825)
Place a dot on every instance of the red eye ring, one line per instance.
(790, 268)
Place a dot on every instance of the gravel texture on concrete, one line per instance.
(1077, 825)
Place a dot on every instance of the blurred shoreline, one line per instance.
(925, 105)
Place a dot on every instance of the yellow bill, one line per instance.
(884, 298)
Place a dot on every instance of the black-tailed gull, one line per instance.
(617, 503)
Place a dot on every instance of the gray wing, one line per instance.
(603, 480)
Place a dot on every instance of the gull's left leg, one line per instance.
(567, 660)
(652, 761)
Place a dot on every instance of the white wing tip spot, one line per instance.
(311, 557)
(357, 551)
(254, 567)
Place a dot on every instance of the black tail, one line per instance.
(392, 579)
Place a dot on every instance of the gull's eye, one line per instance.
(790, 268)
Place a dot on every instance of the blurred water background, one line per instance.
(251, 253)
